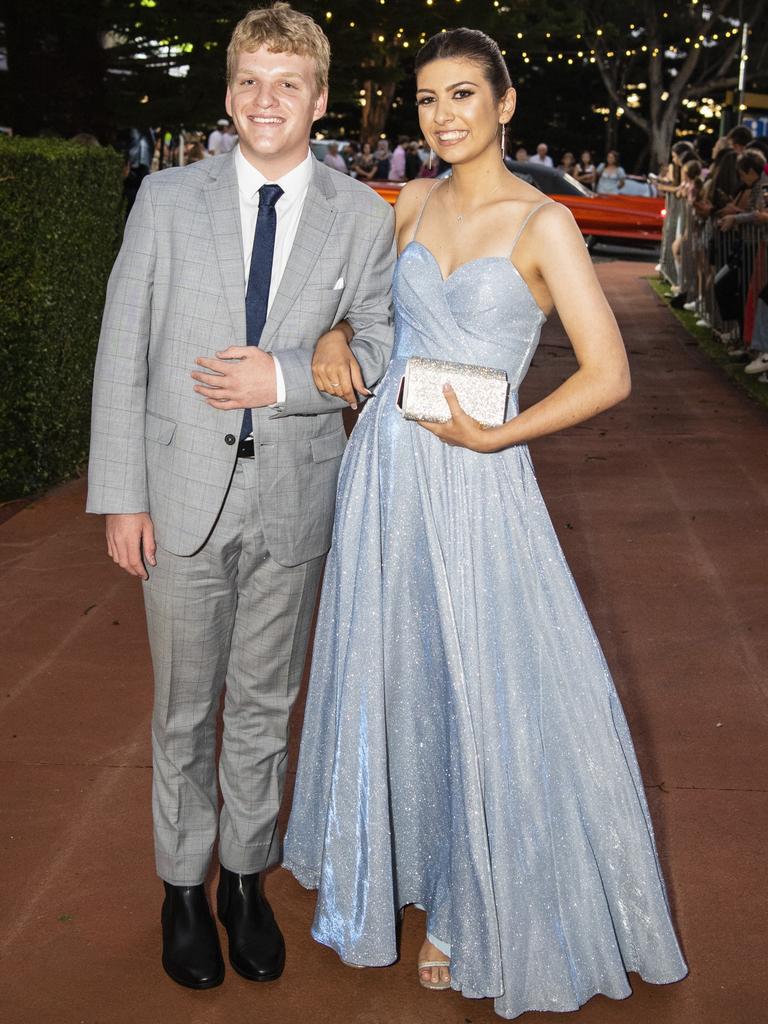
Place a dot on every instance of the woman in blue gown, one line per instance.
(464, 748)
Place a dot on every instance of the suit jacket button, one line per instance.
(230, 439)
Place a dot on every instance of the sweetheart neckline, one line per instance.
(477, 259)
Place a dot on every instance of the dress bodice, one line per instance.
(483, 313)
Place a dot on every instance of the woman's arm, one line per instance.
(334, 367)
(558, 254)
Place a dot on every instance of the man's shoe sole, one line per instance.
(259, 977)
(190, 984)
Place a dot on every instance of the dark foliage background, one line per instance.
(61, 214)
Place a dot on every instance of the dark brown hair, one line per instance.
(468, 44)
(751, 161)
(741, 135)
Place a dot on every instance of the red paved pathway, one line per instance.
(661, 507)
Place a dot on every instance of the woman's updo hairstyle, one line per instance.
(472, 45)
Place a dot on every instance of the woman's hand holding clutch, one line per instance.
(335, 369)
(461, 430)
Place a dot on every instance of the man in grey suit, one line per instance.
(219, 494)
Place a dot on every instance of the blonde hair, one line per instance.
(281, 30)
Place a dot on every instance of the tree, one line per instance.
(56, 66)
(680, 52)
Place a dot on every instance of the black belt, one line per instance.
(245, 449)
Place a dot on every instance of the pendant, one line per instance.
(460, 218)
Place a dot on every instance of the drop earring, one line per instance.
(503, 131)
(431, 155)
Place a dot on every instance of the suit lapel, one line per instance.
(223, 202)
(315, 225)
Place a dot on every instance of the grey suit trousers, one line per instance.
(228, 618)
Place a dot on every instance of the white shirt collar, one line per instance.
(293, 184)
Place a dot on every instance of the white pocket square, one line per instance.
(339, 285)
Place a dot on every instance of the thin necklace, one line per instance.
(460, 216)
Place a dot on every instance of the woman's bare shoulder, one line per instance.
(412, 197)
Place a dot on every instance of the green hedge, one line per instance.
(61, 215)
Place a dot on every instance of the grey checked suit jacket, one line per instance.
(176, 292)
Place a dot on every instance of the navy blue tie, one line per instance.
(260, 276)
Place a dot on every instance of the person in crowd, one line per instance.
(567, 164)
(671, 178)
(464, 748)
(610, 175)
(521, 155)
(397, 163)
(585, 170)
(335, 160)
(757, 335)
(216, 142)
(218, 488)
(541, 156)
(739, 138)
(350, 154)
(140, 145)
(749, 197)
(383, 158)
(689, 191)
(366, 164)
(413, 162)
(195, 150)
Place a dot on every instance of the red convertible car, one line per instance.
(637, 219)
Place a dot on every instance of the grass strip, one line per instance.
(712, 348)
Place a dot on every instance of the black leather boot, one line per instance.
(256, 945)
(191, 950)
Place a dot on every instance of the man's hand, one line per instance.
(128, 535)
(240, 378)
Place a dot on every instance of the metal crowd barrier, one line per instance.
(723, 272)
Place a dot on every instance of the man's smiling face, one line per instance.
(273, 102)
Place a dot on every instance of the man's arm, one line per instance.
(117, 476)
(370, 317)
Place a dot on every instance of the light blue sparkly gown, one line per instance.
(463, 744)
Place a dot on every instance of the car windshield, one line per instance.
(548, 180)
(545, 179)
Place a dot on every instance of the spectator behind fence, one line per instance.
(670, 179)
(739, 138)
(585, 170)
(540, 156)
(610, 175)
(521, 154)
(689, 191)
(750, 200)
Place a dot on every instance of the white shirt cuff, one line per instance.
(279, 384)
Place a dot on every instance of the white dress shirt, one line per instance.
(288, 208)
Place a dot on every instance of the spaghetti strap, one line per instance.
(525, 221)
(423, 207)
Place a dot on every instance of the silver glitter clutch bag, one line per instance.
(481, 391)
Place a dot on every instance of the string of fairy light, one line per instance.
(578, 51)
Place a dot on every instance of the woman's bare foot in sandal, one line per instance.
(434, 967)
